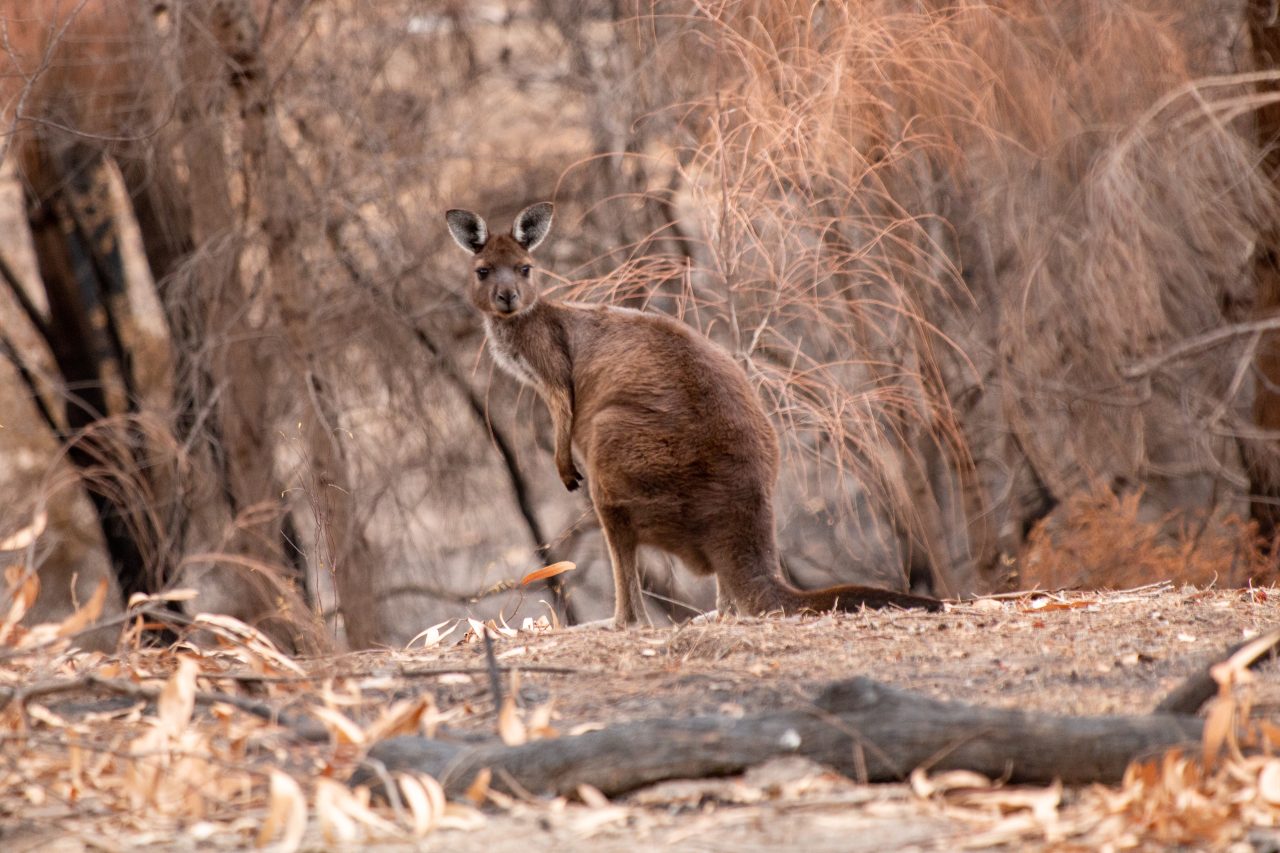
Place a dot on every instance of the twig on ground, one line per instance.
(400, 672)
(304, 728)
(495, 682)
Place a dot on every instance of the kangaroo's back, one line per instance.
(678, 451)
(690, 410)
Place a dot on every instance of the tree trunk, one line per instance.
(270, 195)
(1264, 463)
(81, 273)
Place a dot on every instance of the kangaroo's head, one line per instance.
(502, 271)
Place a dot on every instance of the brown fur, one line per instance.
(677, 449)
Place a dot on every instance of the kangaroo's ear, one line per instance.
(532, 225)
(468, 230)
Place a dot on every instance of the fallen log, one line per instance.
(864, 729)
(1189, 696)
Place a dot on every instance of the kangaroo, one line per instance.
(677, 449)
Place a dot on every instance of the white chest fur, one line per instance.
(504, 353)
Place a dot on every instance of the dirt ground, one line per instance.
(1070, 654)
(1078, 654)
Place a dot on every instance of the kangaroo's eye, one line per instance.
(482, 273)
(524, 270)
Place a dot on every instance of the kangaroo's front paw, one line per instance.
(571, 478)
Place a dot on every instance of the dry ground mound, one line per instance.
(169, 748)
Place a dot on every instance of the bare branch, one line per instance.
(1200, 343)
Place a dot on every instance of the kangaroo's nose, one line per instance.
(505, 300)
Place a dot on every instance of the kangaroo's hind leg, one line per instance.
(620, 537)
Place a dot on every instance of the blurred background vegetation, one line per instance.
(1005, 275)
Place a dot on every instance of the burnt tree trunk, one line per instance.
(77, 255)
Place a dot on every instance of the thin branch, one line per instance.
(1199, 343)
(495, 675)
(396, 672)
(304, 728)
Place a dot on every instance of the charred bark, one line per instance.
(81, 271)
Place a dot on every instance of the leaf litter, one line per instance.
(231, 743)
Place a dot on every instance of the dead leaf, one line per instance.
(510, 728)
(402, 718)
(415, 798)
(287, 809)
(87, 614)
(541, 625)
(167, 750)
(592, 796)
(22, 539)
(1269, 782)
(40, 713)
(433, 636)
(1041, 802)
(419, 793)
(555, 617)
(456, 678)
(342, 813)
(1247, 654)
(539, 724)
(478, 628)
(178, 698)
(462, 817)
(340, 726)
(923, 785)
(548, 572)
(183, 594)
(24, 588)
(238, 633)
(335, 823)
(478, 790)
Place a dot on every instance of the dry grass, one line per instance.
(937, 237)
(1102, 540)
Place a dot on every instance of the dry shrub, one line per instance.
(938, 235)
(1099, 539)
